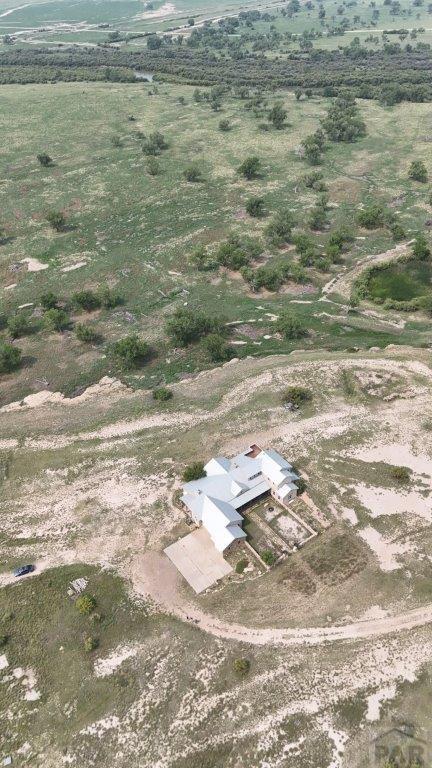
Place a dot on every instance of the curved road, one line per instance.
(154, 576)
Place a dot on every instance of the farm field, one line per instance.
(162, 655)
(136, 233)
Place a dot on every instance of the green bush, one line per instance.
(290, 325)
(401, 474)
(301, 485)
(57, 220)
(297, 395)
(56, 319)
(241, 666)
(268, 556)
(10, 357)
(217, 348)
(44, 159)
(131, 351)
(371, 217)
(85, 604)
(186, 326)
(280, 227)
(90, 644)
(194, 472)
(109, 298)
(162, 394)
(18, 325)
(86, 300)
(241, 565)
(255, 207)
(250, 168)
(418, 171)
(224, 126)
(193, 173)
(49, 301)
(3, 640)
(153, 166)
(86, 333)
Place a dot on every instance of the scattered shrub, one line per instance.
(193, 173)
(109, 298)
(372, 216)
(153, 166)
(224, 126)
(186, 326)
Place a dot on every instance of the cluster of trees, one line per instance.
(186, 326)
(343, 121)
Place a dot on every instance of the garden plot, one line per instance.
(290, 529)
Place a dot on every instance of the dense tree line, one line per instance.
(395, 76)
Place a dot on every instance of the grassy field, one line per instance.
(135, 232)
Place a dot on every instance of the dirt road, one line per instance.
(154, 576)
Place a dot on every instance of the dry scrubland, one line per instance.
(91, 495)
(135, 232)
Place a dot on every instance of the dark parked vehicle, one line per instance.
(23, 569)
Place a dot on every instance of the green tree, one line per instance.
(10, 357)
(250, 167)
(193, 472)
(255, 207)
(278, 115)
(343, 121)
(57, 220)
(131, 351)
(85, 604)
(290, 325)
(418, 171)
(116, 142)
(55, 319)
(401, 474)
